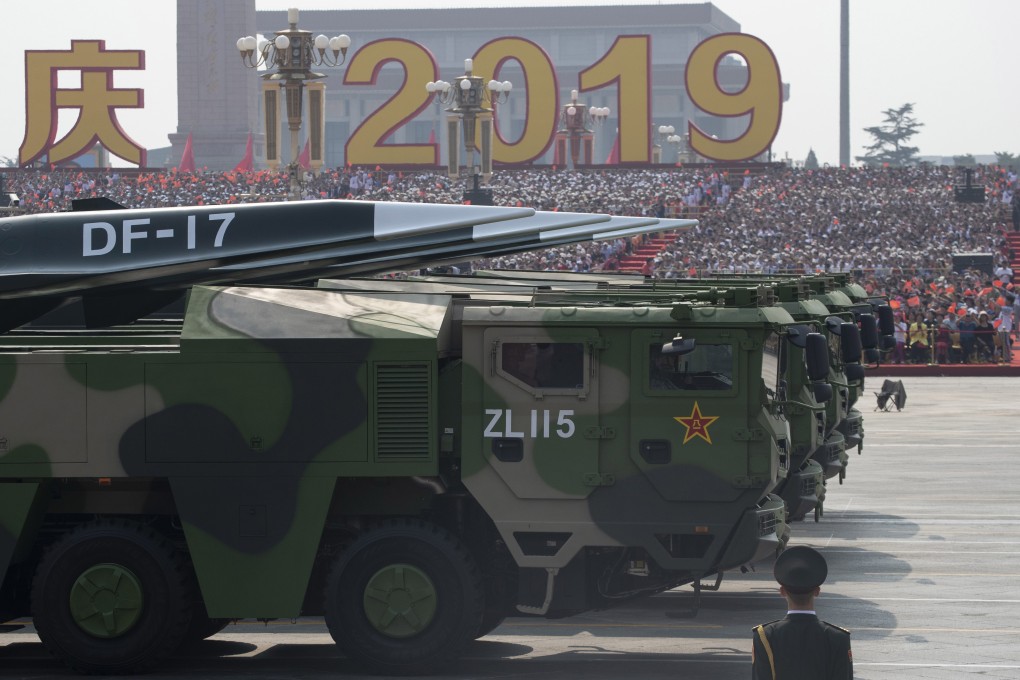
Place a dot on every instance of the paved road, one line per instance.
(922, 540)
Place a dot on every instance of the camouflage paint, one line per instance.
(17, 500)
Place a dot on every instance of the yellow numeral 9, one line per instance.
(761, 97)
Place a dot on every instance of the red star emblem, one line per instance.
(696, 424)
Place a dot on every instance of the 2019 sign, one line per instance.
(627, 65)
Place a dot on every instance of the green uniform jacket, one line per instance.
(801, 647)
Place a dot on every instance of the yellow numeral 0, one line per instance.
(540, 83)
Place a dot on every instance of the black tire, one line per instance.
(491, 620)
(500, 583)
(422, 632)
(153, 598)
(202, 628)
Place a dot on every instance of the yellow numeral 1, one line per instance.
(626, 64)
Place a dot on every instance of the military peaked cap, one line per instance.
(800, 569)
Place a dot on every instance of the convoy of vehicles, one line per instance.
(414, 461)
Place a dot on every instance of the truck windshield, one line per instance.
(708, 367)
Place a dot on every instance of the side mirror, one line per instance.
(869, 331)
(817, 356)
(823, 392)
(816, 352)
(854, 372)
(679, 345)
(886, 325)
(797, 335)
(850, 342)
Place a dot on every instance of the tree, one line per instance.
(965, 160)
(1005, 158)
(8, 162)
(891, 138)
(811, 162)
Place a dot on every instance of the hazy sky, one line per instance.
(955, 61)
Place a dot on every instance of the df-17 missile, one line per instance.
(69, 253)
(615, 228)
(452, 253)
(116, 257)
(408, 249)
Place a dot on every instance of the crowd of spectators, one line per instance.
(895, 229)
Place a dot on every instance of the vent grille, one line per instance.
(403, 411)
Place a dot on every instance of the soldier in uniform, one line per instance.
(801, 646)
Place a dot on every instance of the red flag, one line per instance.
(187, 158)
(432, 136)
(248, 162)
(614, 153)
(305, 159)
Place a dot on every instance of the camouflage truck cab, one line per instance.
(802, 397)
(853, 335)
(575, 445)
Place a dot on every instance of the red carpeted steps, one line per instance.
(649, 249)
(1013, 239)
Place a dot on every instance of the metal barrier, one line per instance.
(946, 346)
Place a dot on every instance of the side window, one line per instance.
(708, 367)
(545, 365)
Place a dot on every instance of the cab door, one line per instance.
(689, 429)
(540, 421)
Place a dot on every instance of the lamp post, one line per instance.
(577, 125)
(667, 134)
(470, 102)
(293, 53)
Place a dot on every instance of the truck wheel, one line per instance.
(202, 628)
(490, 622)
(111, 597)
(404, 598)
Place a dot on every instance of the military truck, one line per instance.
(873, 315)
(411, 466)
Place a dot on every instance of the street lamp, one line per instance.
(471, 100)
(577, 129)
(293, 53)
(667, 134)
